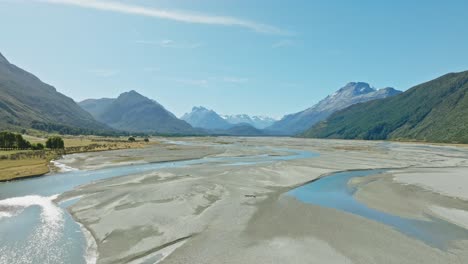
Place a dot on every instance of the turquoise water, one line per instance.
(333, 191)
(33, 229)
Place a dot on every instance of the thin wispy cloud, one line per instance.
(236, 80)
(283, 44)
(105, 73)
(214, 81)
(168, 43)
(180, 16)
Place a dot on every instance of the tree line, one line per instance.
(9, 140)
(12, 140)
(69, 130)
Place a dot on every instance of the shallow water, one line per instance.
(333, 191)
(39, 232)
(33, 229)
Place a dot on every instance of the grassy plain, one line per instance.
(16, 164)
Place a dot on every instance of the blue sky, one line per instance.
(263, 57)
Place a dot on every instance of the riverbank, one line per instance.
(23, 164)
(221, 213)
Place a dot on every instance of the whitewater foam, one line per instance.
(6, 215)
(63, 167)
(50, 213)
(91, 254)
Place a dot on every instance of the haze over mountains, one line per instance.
(435, 111)
(352, 93)
(259, 122)
(96, 106)
(27, 102)
(204, 118)
(208, 119)
(134, 112)
(213, 123)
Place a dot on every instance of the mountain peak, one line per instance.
(352, 93)
(132, 92)
(357, 84)
(433, 111)
(132, 95)
(134, 112)
(199, 108)
(202, 117)
(259, 122)
(357, 88)
(3, 59)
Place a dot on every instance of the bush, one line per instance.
(146, 140)
(131, 139)
(55, 143)
(38, 146)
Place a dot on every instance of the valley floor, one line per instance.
(225, 213)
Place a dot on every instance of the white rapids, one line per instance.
(40, 245)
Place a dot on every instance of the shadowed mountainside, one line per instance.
(27, 102)
(134, 112)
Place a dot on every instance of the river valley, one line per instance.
(244, 200)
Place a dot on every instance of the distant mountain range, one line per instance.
(259, 122)
(350, 94)
(435, 111)
(213, 123)
(134, 112)
(208, 119)
(27, 102)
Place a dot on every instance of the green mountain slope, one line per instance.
(25, 102)
(435, 111)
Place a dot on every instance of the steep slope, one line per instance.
(352, 93)
(96, 106)
(133, 112)
(25, 101)
(206, 119)
(435, 111)
(259, 122)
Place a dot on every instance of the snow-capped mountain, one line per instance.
(352, 93)
(259, 122)
(202, 117)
